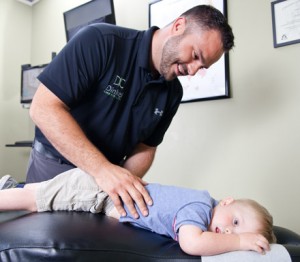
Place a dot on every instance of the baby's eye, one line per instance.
(235, 222)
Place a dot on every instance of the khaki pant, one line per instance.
(73, 190)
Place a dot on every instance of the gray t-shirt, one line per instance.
(173, 207)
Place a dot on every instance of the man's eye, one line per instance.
(195, 55)
(235, 222)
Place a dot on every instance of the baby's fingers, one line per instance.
(261, 246)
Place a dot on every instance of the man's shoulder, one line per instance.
(119, 31)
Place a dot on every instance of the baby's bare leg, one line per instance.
(18, 198)
(113, 213)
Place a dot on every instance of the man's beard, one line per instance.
(169, 57)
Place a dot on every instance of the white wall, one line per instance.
(15, 50)
(245, 146)
(48, 28)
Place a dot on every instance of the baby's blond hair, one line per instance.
(264, 217)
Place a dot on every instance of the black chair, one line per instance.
(77, 236)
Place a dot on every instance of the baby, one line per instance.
(201, 225)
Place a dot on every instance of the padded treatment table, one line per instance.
(78, 236)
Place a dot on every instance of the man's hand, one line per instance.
(123, 187)
(255, 242)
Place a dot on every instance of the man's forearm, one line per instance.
(139, 162)
(60, 128)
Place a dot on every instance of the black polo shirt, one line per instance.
(103, 75)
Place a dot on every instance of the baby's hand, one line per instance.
(255, 242)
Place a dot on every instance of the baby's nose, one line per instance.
(228, 231)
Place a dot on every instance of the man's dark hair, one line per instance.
(209, 18)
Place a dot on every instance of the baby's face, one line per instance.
(233, 218)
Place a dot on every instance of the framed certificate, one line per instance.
(286, 22)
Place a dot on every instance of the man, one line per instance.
(109, 96)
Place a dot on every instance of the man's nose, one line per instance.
(194, 67)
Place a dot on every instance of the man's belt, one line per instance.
(39, 147)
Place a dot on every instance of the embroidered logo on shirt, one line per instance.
(115, 90)
(119, 81)
(158, 112)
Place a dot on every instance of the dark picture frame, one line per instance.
(29, 82)
(207, 84)
(285, 22)
(94, 11)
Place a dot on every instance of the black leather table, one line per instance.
(76, 236)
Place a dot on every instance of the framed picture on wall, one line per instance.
(206, 84)
(286, 22)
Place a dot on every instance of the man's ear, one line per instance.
(179, 26)
(226, 201)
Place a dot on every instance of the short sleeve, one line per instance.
(196, 213)
(77, 67)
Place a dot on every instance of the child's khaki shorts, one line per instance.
(72, 190)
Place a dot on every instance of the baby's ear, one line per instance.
(226, 201)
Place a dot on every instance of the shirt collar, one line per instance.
(145, 48)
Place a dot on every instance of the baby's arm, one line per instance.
(18, 198)
(194, 241)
